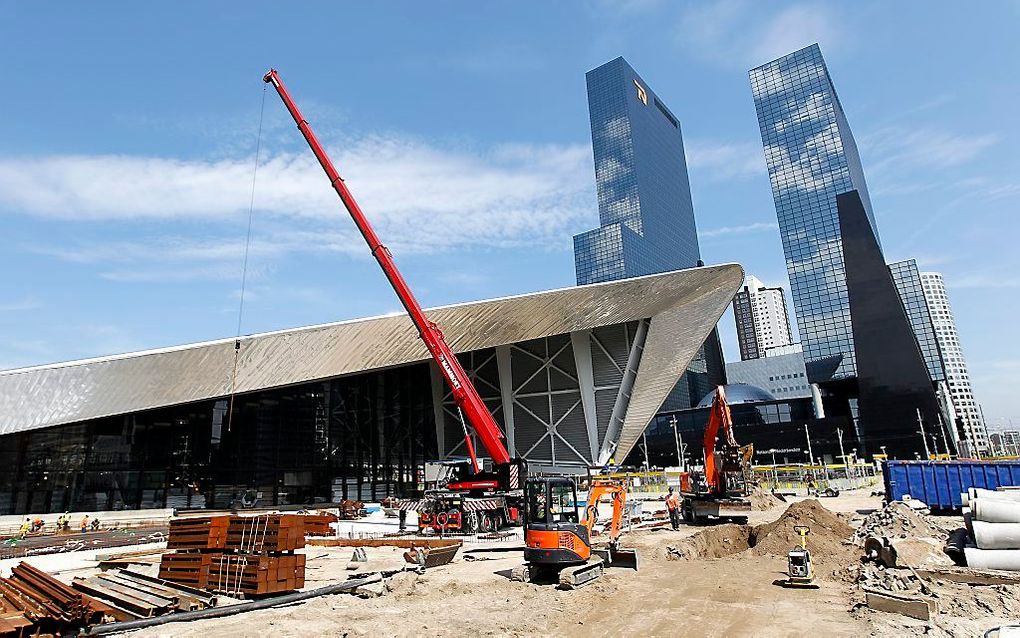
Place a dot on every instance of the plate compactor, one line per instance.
(799, 572)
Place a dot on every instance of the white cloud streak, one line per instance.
(732, 33)
(898, 147)
(725, 160)
(420, 199)
(745, 229)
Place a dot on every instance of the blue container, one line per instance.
(939, 483)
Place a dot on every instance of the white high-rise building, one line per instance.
(957, 378)
(762, 320)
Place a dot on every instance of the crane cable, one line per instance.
(244, 267)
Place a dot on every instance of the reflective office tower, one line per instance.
(957, 378)
(763, 323)
(811, 157)
(857, 339)
(646, 217)
(908, 283)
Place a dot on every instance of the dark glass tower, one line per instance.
(646, 215)
(811, 157)
(907, 278)
(858, 339)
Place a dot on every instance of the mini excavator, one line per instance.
(558, 543)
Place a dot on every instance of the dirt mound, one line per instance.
(898, 520)
(826, 540)
(763, 500)
(713, 542)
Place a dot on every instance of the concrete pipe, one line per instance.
(965, 498)
(995, 511)
(993, 558)
(996, 535)
(980, 492)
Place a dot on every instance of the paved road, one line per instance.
(71, 541)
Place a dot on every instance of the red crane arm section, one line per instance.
(464, 393)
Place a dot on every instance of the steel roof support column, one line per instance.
(623, 397)
(438, 392)
(580, 342)
(506, 392)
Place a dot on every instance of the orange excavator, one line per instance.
(558, 543)
(719, 491)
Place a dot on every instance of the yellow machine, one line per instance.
(799, 572)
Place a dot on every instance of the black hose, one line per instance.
(229, 610)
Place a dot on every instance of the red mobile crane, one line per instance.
(721, 489)
(492, 495)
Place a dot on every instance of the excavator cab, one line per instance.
(553, 532)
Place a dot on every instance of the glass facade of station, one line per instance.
(773, 427)
(811, 157)
(362, 437)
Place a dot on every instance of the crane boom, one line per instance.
(464, 393)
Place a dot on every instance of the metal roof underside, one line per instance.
(683, 306)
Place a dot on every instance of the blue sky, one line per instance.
(129, 138)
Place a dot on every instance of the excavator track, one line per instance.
(581, 575)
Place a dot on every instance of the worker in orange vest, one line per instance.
(673, 507)
(85, 524)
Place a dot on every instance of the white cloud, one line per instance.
(756, 227)
(896, 147)
(20, 306)
(983, 280)
(725, 160)
(734, 34)
(419, 198)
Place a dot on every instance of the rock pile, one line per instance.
(898, 520)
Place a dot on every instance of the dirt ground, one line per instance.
(731, 596)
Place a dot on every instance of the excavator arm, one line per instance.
(719, 418)
(599, 489)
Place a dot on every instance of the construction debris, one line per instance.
(895, 521)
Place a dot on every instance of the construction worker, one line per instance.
(23, 530)
(37, 525)
(673, 507)
(84, 523)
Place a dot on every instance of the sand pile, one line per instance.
(827, 538)
(763, 500)
(898, 520)
(713, 542)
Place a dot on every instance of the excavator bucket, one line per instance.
(621, 557)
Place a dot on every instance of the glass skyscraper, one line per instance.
(646, 215)
(907, 278)
(645, 211)
(811, 157)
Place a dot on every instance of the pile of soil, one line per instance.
(712, 542)
(826, 539)
(898, 520)
(763, 500)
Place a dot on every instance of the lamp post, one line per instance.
(679, 446)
